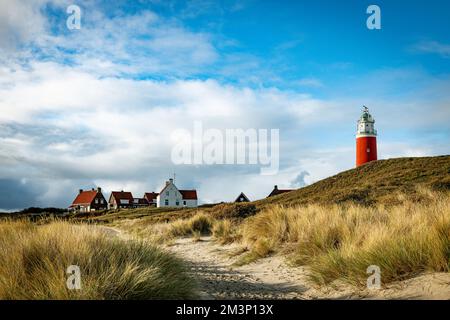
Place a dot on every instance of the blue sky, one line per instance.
(97, 106)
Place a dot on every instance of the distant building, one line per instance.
(277, 191)
(151, 198)
(140, 202)
(88, 201)
(242, 198)
(171, 196)
(121, 200)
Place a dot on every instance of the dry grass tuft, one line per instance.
(35, 258)
(198, 224)
(225, 232)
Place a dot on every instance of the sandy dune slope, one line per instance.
(273, 278)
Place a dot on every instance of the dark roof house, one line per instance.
(277, 191)
(121, 199)
(151, 197)
(140, 202)
(242, 198)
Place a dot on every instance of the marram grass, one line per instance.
(34, 260)
(340, 242)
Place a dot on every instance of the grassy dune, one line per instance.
(372, 215)
(336, 241)
(376, 182)
(341, 241)
(34, 261)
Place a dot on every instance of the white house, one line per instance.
(171, 196)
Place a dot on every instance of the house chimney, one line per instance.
(167, 183)
(99, 190)
(275, 187)
(81, 190)
(171, 180)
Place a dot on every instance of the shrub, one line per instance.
(200, 223)
(234, 210)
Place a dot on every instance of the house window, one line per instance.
(96, 201)
(101, 201)
(177, 203)
(166, 202)
(184, 202)
(167, 193)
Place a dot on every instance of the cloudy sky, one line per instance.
(98, 106)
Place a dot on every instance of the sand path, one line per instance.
(273, 278)
(211, 264)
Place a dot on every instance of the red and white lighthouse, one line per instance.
(366, 139)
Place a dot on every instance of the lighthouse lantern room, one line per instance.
(366, 139)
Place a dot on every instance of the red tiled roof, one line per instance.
(150, 196)
(122, 195)
(84, 197)
(189, 194)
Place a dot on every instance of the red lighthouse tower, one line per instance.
(366, 139)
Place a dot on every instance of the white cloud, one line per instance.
(435, 47)
(131, 45)
(64, 124)
(126, 124)
(20, 21)
(310, 82)
(87, 115)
